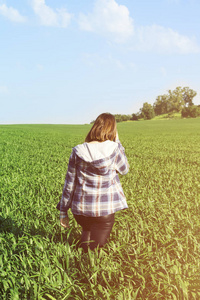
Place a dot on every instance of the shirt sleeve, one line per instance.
(69, 187)
(121, 163)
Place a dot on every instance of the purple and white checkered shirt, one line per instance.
(92, 187)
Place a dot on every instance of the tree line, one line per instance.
(179, 100)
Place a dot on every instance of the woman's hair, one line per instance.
(104, 128)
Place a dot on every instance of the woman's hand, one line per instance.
(64, 222)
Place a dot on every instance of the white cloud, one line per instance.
(113, 21)
(12, 14)
(49, 17)
(110, 19)
(164, 40)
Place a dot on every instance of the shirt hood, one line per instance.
(98, 155)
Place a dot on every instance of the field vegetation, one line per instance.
(154, 249)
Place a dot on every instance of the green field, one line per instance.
(154, 248)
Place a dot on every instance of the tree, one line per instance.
(125, 117)
(121, 118)
(174, 101)
(134, 117)
(118, 118)
(147, 111)
(161, 105)
(188, 95)
(191, 111)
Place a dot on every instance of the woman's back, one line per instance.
(98, 191)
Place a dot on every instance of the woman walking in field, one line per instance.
(92, 188)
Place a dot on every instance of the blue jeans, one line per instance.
(95, 230)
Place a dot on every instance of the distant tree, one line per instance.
(134, 117)
(174, 101)
(126, 117)
(121, 118)
(185, 112)
(118, 118)
(161, 105)
(147, 111)
(191, 111)
(188, 95)
(139, 114)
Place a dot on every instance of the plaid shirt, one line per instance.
(92, 188)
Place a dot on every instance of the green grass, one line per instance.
(154, 249)
(168, 116)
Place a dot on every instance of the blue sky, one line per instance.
(67, 61)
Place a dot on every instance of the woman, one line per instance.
(92, 188)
